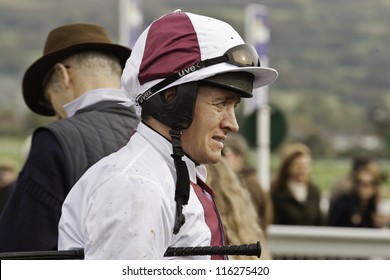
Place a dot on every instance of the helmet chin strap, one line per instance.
(176, 113)
(182, 192)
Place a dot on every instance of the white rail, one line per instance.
(308, 242)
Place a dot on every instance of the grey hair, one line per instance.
(95, 63)
(91, 64)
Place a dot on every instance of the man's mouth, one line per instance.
(219, 140)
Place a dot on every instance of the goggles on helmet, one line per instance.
(242, 56)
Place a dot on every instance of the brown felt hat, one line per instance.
(61, 43)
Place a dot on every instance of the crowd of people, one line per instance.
(145, 153)
(294, 197)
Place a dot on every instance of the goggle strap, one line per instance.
(215, 60)
(169, 80)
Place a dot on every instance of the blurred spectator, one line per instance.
(295, 197)
(345, 184)
(8, 173)
(235, 152)
(358, 205)
(234, 205)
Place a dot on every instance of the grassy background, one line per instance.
(11, 149)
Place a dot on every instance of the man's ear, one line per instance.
(169, 94)
(62, 73)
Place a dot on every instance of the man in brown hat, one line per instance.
(77, 80)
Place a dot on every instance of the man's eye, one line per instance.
(220, 103)
(225, 103)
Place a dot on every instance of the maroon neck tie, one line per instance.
(211, 215)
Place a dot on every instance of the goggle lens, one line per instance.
(243, 56)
